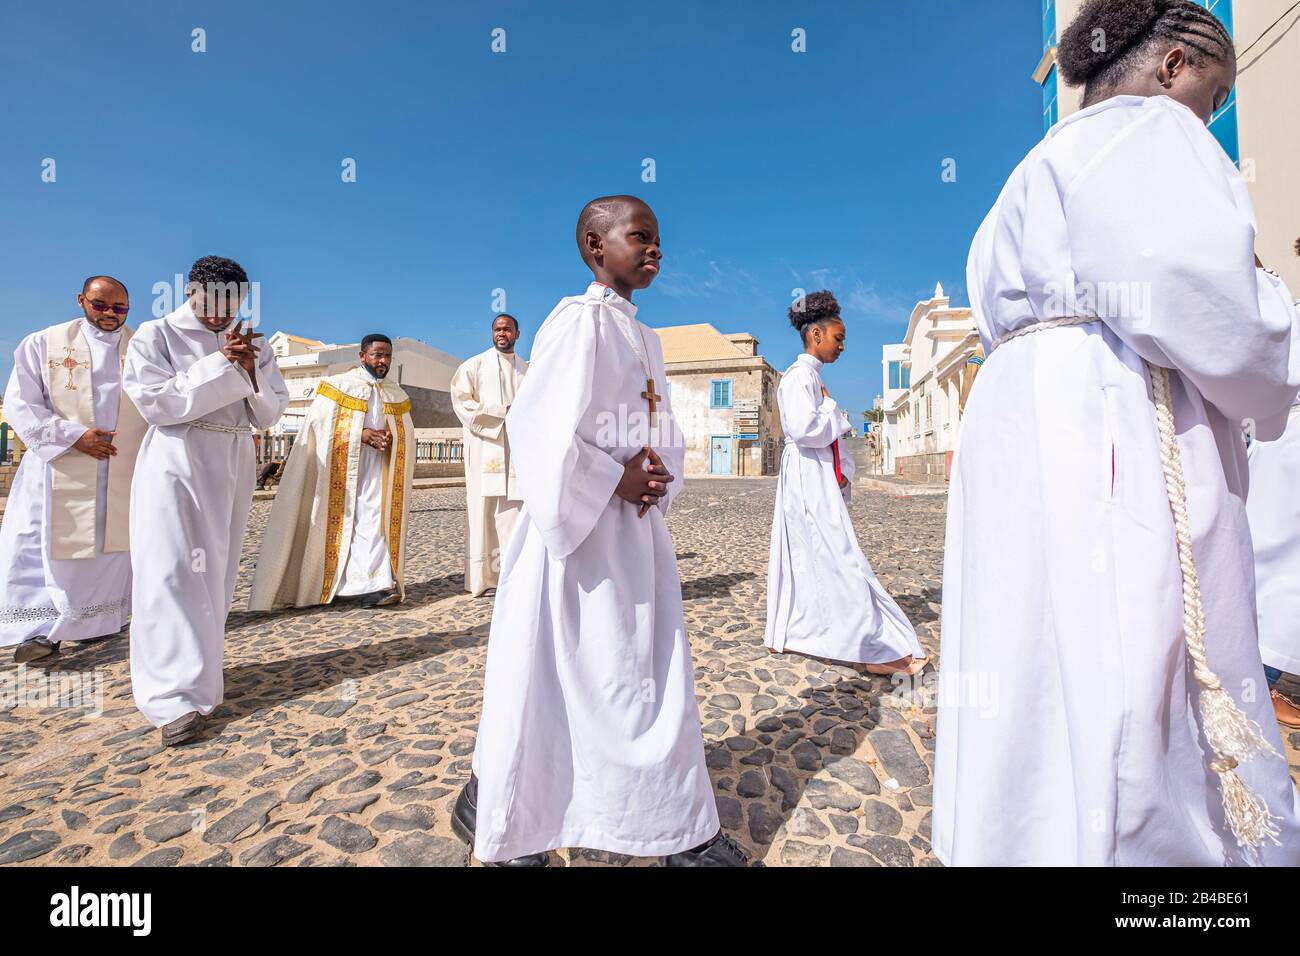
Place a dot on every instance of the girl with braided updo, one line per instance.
(1099, 643)
(823, 598)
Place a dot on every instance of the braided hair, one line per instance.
(818, 308)
(1110, 39)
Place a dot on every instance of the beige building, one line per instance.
(926, 380)
(1259, 127)
(723, 395)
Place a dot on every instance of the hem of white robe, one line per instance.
(1282, 661)
(378, 582)
(81, 630)
(479, 576)
(588, 839)
(813, 647)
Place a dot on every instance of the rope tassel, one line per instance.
(1232, 735)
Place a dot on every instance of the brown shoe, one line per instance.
(35, 649)
(1284, 708)
(183, 729)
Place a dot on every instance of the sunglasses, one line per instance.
(105, 307)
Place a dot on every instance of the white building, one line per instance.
(927, 377)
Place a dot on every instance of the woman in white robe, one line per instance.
(1069, 728)
(1274, 510)
(823, 598)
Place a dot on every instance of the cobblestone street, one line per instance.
(346, 733)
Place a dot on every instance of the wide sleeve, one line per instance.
(267, 404)
(670, 441)
(167, 396)
(566, 482)
(848, 467)
(28, 407)
(1161, 241)
(809, 419)
(479, 418)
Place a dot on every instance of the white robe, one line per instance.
(823, 598)
(590, 733)
(64, 600)
(1068, 726)
(369, 568)
(481, 393)
(1274, 510)
(189, 504)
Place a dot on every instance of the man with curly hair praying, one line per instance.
(202, 386)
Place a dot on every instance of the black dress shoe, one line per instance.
(722, 850)
(182, 730)
(464, 816)
(381, 599)
(35, 649)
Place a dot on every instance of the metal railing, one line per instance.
(441, 450)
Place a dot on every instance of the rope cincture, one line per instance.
(1232, 735)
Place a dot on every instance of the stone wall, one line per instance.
(439, 469)
(932, 467)
(7, 473)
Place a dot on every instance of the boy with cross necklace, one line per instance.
(590, 734)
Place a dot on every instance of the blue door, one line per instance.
(720, 455)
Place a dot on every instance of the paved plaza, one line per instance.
(345, 733)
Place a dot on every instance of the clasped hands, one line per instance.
(239, 349)
(642, 485)
(377, 438)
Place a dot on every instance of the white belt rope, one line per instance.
(1232, 735)
(218, 427)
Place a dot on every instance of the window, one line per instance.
(900, 375)
(929, 408)
(720, 393)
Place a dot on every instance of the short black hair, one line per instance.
(375, 337)
(506, 315)
(1131, 32)
(602, 214)
(86, 285)
(217, 270)
(815, 308)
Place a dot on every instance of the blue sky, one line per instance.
(774, 169)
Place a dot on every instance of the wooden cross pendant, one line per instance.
(650, 396)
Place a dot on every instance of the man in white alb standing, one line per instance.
(482, 391)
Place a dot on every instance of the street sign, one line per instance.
(749, 437)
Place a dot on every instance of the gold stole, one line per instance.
(73, 475)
